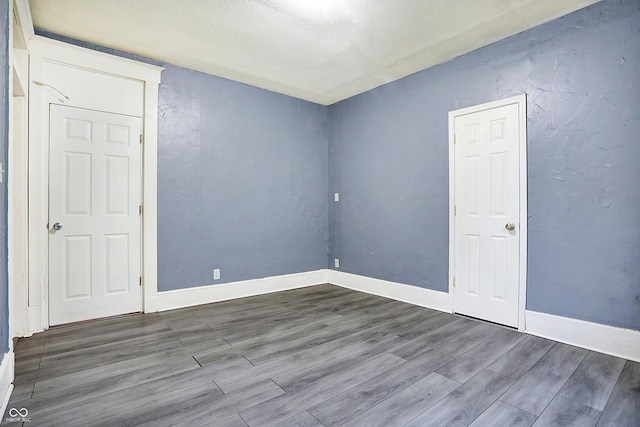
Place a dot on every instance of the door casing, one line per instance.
(69, 68)
(519, 100)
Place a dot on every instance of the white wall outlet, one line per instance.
(336, 262)
(336, 197)
(216, 274)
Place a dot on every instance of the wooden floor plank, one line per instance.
(342, 407)
(623, 407)
(522, 357)
(204, 410)
(128, 405)
(320, 355)
(284, 407)
(300, 378)
(431, 339)
(534, 390)
(304, 419)
(407, 404)
(466, 403)
(470, 363)
(460, 343)
(592, 382)
(500, 415)
(562, 412)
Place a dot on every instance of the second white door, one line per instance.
(487, 212)
(94, 220)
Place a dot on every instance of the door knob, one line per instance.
(57, 226)
(508, 226)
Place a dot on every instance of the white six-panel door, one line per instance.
(94, 222)
(487, 214)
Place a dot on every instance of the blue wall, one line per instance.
(242, 179)
(4, 139)
(242, 182)
(581, 73)
(243, 185)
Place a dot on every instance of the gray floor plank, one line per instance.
(422, 343)
(623, 407)
(58, 396)
(299, 378)
(301, 368)
(407, 404)
(501, 414)
(203, 410)
(563, 412)
(285, 347)
(284, 407)
(341, 355)
(466, 403)
(479, 357)
(536, 388)
(592, 382)
(170, 358)
(128, 405)
(233, 420)
(459, 344)
(353, 402)
(522, 357)
(304, 419)
(21, 392)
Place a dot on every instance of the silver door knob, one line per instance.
(508, 226)
(57, 226)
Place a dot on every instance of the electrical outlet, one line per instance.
(336, 262)
(336, 197)
(216, 274)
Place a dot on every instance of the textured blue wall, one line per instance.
(581, 73)
(242, 179)
(4, 139)
(242, 182)
(243, 172)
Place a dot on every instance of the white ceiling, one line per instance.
(319, 50)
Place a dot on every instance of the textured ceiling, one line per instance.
(319, 50)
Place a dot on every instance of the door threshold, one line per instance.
(97, 319)
(488, 322)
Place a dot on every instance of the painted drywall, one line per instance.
(4, 139)
(242, 182)
(242, 179)
(581, 73)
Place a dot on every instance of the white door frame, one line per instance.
(521, 101)
(20, 32)
(45, 51)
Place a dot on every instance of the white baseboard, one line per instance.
(179, 298)
(6, 380)
(620, 342)
(397, 291)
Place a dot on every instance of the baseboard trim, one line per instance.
(6, 380)
(180, 298)
(620, 342)
(397, 291)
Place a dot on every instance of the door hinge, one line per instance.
(140, 280)
(454, 281)
(141, 139)
(140, 210)
(454, 138)
(455, 210)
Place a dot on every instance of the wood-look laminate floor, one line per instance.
(319, 356)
